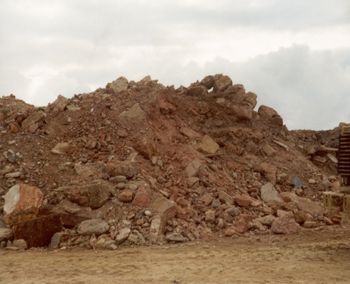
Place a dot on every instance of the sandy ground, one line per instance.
(309, 257)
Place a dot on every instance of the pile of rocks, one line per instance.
(138, 163)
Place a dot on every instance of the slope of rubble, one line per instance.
(139, 163)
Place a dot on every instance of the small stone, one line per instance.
(120, 185)
(122, 236)
(55, 240)
(61, 148)
(208, 145)
(230, 231)
(133, 186)
(13, 175)
(225, 197)
(118, 179)
(126, 195)
(312, 181)
(193, 167)
(233, 211)
(93, 226)
(147, 213)
(5, 234)
(285, 225)
(310, 224)
(266, 220)
(243, 200)
(216, 203)
(175, 237)
(206, 199)
(20, 244)
(210, 216)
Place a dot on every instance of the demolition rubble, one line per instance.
(139, 163)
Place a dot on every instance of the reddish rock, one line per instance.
(93, 194)
(206, 199)
(285, 225)
(243, 200)
(126, 195)
(122, 168)
(142, 197)
(22, 203)
(230, 231)
(39, 231)
(242, 223)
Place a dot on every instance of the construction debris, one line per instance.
(138, 163)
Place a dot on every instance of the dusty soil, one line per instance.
(309, 257)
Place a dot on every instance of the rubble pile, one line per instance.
(139, 163)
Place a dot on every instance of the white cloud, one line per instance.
(65, 47)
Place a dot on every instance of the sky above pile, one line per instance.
(294, 54)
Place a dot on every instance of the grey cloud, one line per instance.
(65, 47)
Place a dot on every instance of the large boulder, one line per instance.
(22, 203)
(270, 114)
(118, 85)
(31, 123)
(222, 82)
(93, 194)
(304, 204)
(38, 231)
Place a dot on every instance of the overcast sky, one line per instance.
(295, 54)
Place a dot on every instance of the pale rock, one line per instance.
(208, 145)
(193, 167)
(61, 148)
(123, 235)
(175, 237)
(221, 82)
(5, 234)
(93, 226)
(20, 244)
(270, 195)
(210, 216)
(266, 220)
(119, 85)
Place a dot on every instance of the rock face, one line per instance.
(270, 195)
(93, 226)
(22, 203)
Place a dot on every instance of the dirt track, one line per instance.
(317, 257)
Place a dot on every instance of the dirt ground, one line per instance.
(310, 257)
